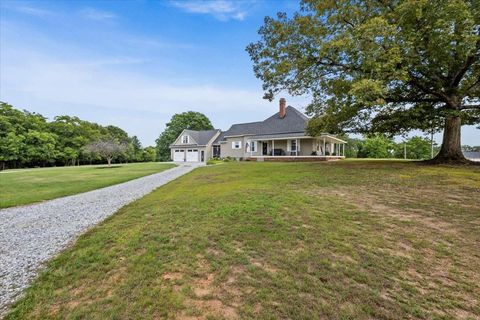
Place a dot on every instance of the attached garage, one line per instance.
(178, 155)
(193, 146)
(192, 155)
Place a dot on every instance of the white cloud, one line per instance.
(98, 15)
(103, 90)
(32, 11)
(221, 9)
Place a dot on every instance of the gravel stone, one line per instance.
(31, 235)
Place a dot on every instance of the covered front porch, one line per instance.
(295, 148)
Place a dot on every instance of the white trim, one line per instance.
(300, 137)
(234, 145)
(254, 144)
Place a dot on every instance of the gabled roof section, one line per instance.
(202, 137)
(199, 137)
(294, 121)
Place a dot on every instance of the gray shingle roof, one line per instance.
(294, 121)
(202, 137)
(219, 138)
(280, 135)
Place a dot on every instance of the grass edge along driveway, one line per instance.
(343, 240)
(26, 186)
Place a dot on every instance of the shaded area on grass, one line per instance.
(108, 167)
(358, 240)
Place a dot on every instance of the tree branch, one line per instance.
(414, 81)
(406, 99)
(468, 63)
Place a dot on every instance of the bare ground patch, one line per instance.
(440, 259)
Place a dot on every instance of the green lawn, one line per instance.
(339, 240)
(25, 186)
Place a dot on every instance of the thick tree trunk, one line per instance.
(451, 150)
(109, 161)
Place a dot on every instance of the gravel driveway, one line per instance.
(33, 234)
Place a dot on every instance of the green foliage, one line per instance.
(415, 147)
(376, 146)
(27, 139)
(149, 154)
(352, 146)
(180, 121)
(471, 148)
(377, 66)
(214, 161)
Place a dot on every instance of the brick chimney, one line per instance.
(283, 104)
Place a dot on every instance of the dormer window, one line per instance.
(185, 139)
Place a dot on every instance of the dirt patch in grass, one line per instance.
(421, 226)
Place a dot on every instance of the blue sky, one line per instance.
(136, 63)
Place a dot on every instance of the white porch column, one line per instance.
(273, 148)
(324, 146)
(296, 147)
(332, 146)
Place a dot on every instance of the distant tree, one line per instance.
(107, 149)
(378, 66)
(40, 147)
(468, 148)
(180, 121)
(71, 137)
(28, 139)
(137, 145)
(11, 147)
(376, 146)
(116, 133)
(352, 146)
(137, 149)
(414, 147)
(149, 154)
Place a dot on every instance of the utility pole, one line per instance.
(404, 150)
(431, 144)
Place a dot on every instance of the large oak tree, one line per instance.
(378, 66)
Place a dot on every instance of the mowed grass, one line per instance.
(340, 240)
(24, 186)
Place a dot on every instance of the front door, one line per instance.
(265, 148)
(202, 155)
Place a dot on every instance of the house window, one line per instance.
(253, 146)
(293, 144)
(185, 139)
(236, 144)
(216, 151)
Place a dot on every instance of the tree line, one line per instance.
(381, 146)
(28, 139)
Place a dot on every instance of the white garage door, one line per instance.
(178, 155)
(192, 155)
